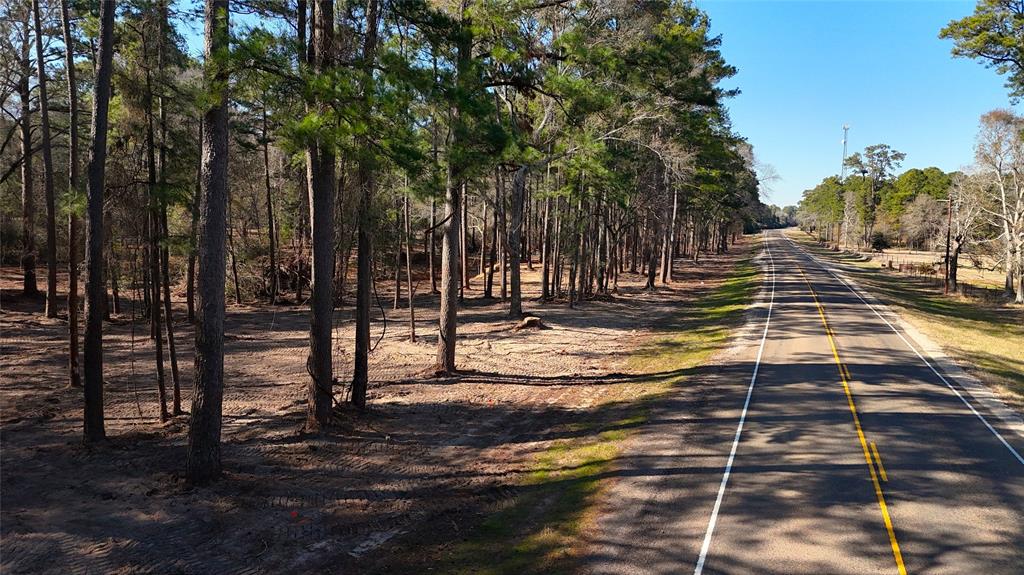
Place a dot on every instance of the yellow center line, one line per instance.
(845, 376)
(878, 459)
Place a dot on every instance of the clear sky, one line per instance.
(808, 67)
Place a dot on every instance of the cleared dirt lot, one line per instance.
(429, 452)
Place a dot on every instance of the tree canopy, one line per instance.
(994, 33)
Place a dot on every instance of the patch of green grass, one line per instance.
(986, 335)
(693, 335)
(537, 531)
(540, 530)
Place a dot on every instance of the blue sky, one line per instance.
(808, 67)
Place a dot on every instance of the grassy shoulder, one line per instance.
(987, 338)
(540, 530)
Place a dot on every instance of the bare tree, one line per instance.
(922, 221)
(203, 459)
(1000, 155)
(849, 223)
(966, 195)
(95, 292)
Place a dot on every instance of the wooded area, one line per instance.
(319, 154)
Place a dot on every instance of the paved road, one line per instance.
(853, 455)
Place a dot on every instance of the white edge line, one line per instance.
(739, 428)
(955, 391)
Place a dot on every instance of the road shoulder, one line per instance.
(654, 514)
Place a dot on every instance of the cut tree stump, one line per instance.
(530, 322)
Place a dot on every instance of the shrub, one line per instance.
(879, 242)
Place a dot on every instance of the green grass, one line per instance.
(540, 530)
(537, 531)
(986, 335)
(692, 336)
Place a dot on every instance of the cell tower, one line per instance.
(842, 171)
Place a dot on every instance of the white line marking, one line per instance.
(739, 428)
(914, 349)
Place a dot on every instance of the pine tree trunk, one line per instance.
(545, 254)
(203, 461)
(271, 224)
(193, 240)
(464, 247)
(165, 256)
(652, 253)
(398, 257)
(95, 288)
(556, 256)
(483, 240)
(575, 261)
(154, 248)
(30, 283)
(602, 244)
(321, 162)
(670, 241)
(448, 318)
(231, 252)
(432, 247)
(74, 186)
(581, 249)
(113, 303)
(47, 149)
(408, 267)
(301, 8)
(449, 277)
(515, 308)
(492, 257)
(169, 320)
(503, 243)
(528, 217)
(364, 271)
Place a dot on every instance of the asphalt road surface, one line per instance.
(826, 446)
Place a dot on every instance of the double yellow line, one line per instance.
(844, 374)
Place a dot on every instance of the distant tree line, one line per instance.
(984, 203)
(980, 209)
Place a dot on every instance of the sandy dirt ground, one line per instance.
(430, 453)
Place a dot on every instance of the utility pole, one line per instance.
(842, 171)
(949, 225)
(842, 232)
